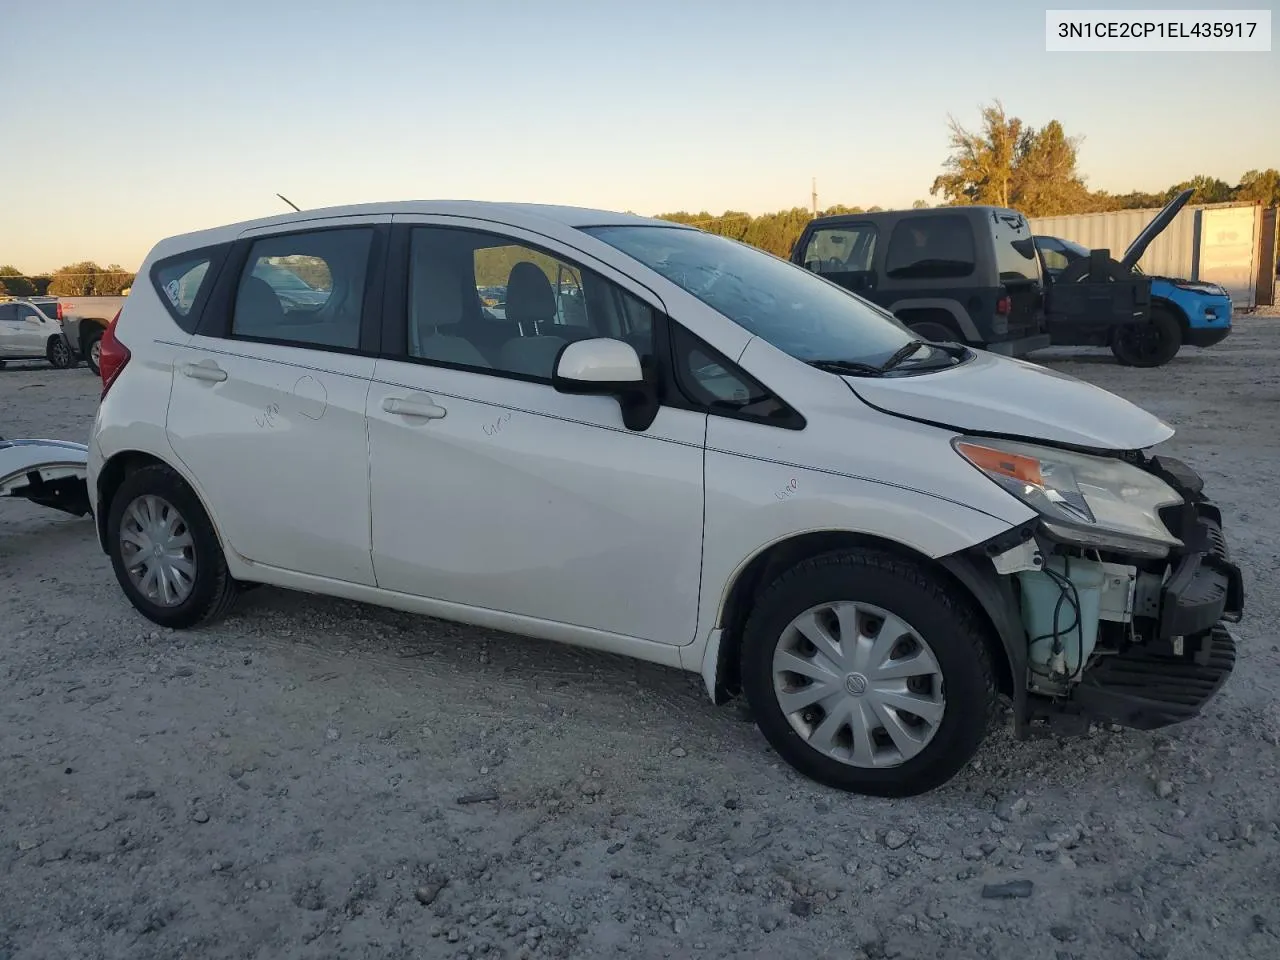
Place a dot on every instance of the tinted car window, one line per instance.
(936, 246)
(796, 311)
(480, 301)
(7, 312)
(305, 288)
(1015, 249)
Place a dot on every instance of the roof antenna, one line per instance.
(289, 202)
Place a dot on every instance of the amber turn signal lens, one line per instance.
(1012, 465)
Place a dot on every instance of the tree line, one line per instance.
(1005, 162)
(83, 279)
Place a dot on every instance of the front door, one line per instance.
(268, 396)
(493, 490)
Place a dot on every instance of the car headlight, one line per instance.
(1094, 502)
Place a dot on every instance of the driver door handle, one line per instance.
(422, 409)
(205, 370)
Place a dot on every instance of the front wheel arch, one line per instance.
(774, 560)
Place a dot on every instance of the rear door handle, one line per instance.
(423, 409)
(205, 370)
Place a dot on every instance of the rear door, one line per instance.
(1019, 272)
(267, 408)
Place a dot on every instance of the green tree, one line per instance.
(14, 284)
(1257, 186)
(1045, 180)
(980, 169)
(920, 205)
(1207, 190)
(74, 280)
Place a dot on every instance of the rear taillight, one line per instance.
(112, 355)
(58, 305)
(1004, 305)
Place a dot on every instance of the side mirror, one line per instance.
(603, 366)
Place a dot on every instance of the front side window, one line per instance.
(481, 301)
(931, 247)
(713, 382)
(796, 311)
(305, 288)
(841, 249)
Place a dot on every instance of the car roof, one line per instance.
(961, 209)
(514, 214)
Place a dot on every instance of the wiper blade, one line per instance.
(852, 367)
(901, 354)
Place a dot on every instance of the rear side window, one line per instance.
(841, 249)
(932, 247)
(182, 280)
(1015, 248)
(304, 288)
(8, 312)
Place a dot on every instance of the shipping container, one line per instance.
(1215, 242)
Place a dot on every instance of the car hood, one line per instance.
(992, 394)
(1153, 229)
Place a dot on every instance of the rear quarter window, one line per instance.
(1015, 248)
(183, 283)
(939, 246)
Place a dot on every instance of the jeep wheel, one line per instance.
(1150, 344)
(868, 675)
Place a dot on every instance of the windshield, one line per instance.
(795, 310)
(1073, 247)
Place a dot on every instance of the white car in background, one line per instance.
(30, 329)
(713, 459)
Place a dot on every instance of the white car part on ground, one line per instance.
(48, 472)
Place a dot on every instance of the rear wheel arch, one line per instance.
(772, 561)
(126, 462)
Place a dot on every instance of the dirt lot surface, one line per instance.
(315, 778)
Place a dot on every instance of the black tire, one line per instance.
(943, 619)
(1150, 344)
(213, 591)
(90, 344)
(59, 354)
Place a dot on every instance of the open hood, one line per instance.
(1153, 229)
(992, 394)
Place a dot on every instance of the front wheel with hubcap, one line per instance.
(868, 675)
(164, 550)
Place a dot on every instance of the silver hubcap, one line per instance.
(59, 351)
(96, 351)
(158, 550)
(858, 684)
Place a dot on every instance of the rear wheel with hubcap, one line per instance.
(868, 675)
(164, 550)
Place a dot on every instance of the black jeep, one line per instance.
(965, 274)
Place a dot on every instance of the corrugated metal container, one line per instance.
(1214, 242)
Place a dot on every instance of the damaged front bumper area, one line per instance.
(1105, 636)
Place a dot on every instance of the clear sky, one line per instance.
(133, 120)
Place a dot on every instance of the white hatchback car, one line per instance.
(665, 444)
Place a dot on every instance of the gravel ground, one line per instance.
(317, 778)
